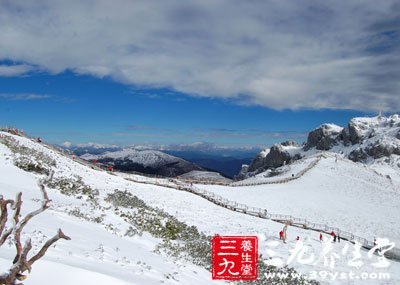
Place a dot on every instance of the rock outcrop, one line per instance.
(363, 140)
(276, 156)
(324, 137)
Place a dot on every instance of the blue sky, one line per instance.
(228, 72)
(77, 108)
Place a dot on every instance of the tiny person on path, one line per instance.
(297, 238)
(281, 235)
(320, 236)
(334, 236)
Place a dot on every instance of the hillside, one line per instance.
(334, 192)
(204, 176)
(90, 206)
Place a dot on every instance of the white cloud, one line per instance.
(279, 54)
(67, 144)
(15, 70)
(23, 96)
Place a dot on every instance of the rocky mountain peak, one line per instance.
(323, 137)
(365, 139)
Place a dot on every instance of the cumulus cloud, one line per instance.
(275, 53)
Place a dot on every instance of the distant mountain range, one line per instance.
(167, 160)
(91, 148)
(373, 140)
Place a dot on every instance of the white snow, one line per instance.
(264, 152)
(334, 128)
(378, 127)
(343, 194)
(204, 176)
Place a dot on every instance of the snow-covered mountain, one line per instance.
(144, 161)
(223, 159)
(91, 147)
(128, 229)
(371, 141)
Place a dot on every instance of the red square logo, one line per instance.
(234, 258)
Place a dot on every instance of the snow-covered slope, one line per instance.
(341, 193)
(100, 245)
(99, 248)
(204, 176)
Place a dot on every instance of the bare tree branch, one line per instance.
(4, 212)
(21, 262)
(17, 211)
(42, 252)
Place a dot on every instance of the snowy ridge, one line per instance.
(147, 158)
(289, 173)
(376, 126)
(334, 128)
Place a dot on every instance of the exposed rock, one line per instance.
(243, 173)
(364, 140)
(379, 150)
(324, 137)
(258, 161)
(376, 136)
(374, 151)
(355, 134)
(345, 137)
(244, 170)
(290, 143)
(358, 155)
(276, 157)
